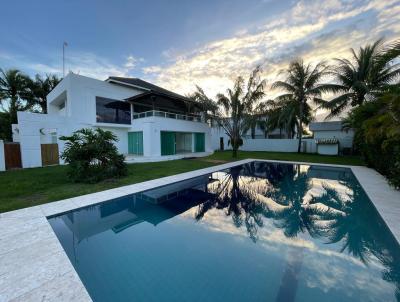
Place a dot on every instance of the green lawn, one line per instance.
(29, 187)
(312, 158)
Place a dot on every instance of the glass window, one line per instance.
(112, 111)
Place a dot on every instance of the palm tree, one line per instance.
(302, 85)
(40, 88)
(13, 94)
(238, 107)
(367, 74)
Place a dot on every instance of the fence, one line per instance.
(12, 156)
(49, 154)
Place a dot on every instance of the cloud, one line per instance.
(313, 30)
(151, 69)
(132, 62)
(84, 63)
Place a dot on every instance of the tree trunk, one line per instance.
(253, 132)
(234, 152)
(300, 130)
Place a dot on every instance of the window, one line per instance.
(112, 111)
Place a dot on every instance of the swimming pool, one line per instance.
(256, 232)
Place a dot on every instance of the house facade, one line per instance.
(327, 133)
(151, 123)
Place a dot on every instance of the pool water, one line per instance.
(255, 232)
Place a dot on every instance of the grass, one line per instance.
(300, 157)
(30, 187)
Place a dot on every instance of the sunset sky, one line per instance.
(178, 44)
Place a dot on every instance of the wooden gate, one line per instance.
(49, 154)
(12, 156)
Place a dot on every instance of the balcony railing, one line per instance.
(192, 118)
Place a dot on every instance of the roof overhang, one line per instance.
(109, 80)
(145, 96)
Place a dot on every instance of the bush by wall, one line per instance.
(92, 156)
(377, 135)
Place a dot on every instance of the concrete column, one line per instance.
(151, 140)
(2, 158)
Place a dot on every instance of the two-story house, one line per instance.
(151, 123)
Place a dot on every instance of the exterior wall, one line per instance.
(328, 149)
(2, 158)
(152, 126)
(216, 134)
(261, 144)
(277, 145)
(345, 137)
(80, 93)
(30, 126)
(15, 133)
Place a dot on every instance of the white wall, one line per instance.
(261, 144)
(81, 92)
(152, 127)
(2, 158)
(15, 133)
(30, 124)
(277, 145)
(332, 149)
(345, 137)
(216, 134)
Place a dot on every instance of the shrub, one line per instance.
(92, 156)
(377, 135)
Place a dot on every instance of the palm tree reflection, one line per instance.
(238, 200)
(340, 214)
(292, 214)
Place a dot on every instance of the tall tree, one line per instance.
(13, 94)
(366, 75)
(40, 87)
(302, 85)
(208, 105)
(238, 106)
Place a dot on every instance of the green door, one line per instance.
(135, 143)
(199, 142)
(168, 143)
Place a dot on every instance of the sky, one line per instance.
(178, 44)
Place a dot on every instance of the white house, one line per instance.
(150, 122)
(331, 138)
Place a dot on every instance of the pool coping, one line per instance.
(34, 266)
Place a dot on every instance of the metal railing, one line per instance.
(192, 118)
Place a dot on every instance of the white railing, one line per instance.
(192, 118)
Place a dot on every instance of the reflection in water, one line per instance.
(324, 206)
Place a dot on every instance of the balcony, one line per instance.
(156, 113)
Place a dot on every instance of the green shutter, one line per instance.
(199, 142)
(135, 143)
(168, 143)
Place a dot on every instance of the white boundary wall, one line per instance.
(277, 145)
(2, 158)
(262, 144)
